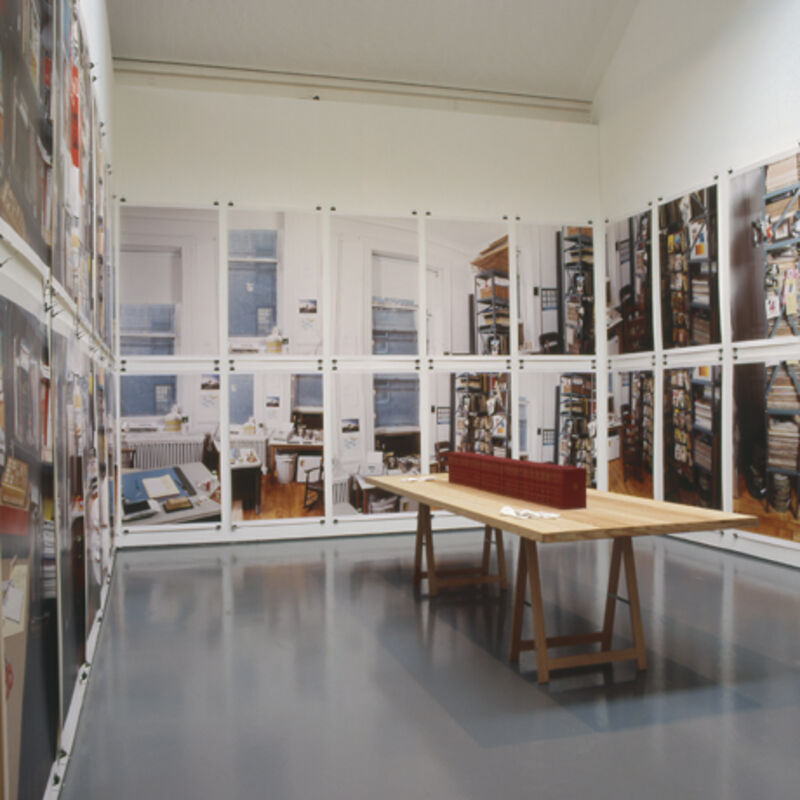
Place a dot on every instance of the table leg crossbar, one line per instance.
(439, 577)
(528, 573)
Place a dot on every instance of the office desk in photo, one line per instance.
(293, 448)
(189, 479)
(246, 483)
(606, 516)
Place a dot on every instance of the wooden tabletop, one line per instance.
(607, 514)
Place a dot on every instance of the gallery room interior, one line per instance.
(399, 401)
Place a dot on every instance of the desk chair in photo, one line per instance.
(551, 342)
(441, 451)
(315, 487)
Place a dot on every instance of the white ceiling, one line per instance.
(546, 48)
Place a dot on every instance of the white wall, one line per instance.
(193, 141)
(95, 20)
(696, 87)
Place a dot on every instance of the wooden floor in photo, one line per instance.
(279, 501)
(617, 482)
(781, 524)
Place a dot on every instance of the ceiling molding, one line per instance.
(322, 88)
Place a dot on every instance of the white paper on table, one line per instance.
(163, 486)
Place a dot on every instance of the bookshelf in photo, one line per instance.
(629, 285)
(636, 426)
(692, 440)
(482, 418)
(783, 436)
(576, 251)
(689, 271)
(778, 230)
(576, 414)
(492, 312)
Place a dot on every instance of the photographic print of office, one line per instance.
(688, 247)
(765, 237)
(629, 301)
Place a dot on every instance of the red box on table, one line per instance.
(547, 484)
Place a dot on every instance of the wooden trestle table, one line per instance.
(607, 516)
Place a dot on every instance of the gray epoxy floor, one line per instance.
(313, 670)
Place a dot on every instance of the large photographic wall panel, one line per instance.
(27, 542)
(54, 415)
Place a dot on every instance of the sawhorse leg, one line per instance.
(528, 568)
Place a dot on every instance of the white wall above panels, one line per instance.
(192, 147)
(527, 47)
(696, 88)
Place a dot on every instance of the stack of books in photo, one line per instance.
(703, 453)
(783, 444)
(701, 328)
(782, 173)
(782, 392)
(702, 414)
(701, 290)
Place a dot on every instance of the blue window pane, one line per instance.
(308, 391)
(394, 343)
(148, 395)
(252, 298)
(146, 346)
(393, 319)
(241, 398)
(396, 401)
(253, 244)
(147, 318)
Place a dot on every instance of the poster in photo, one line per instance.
(26, 125)
(170, 449)
(556, 289)
(27, 542)
(631, 417)
(274, 282)
(468, 290)
(276, 436)
(169, 271)
(377, 432)
(375, 264)
(689, 269)
(692, 438)
(767, 445)
(765, 249)
(629, 304)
